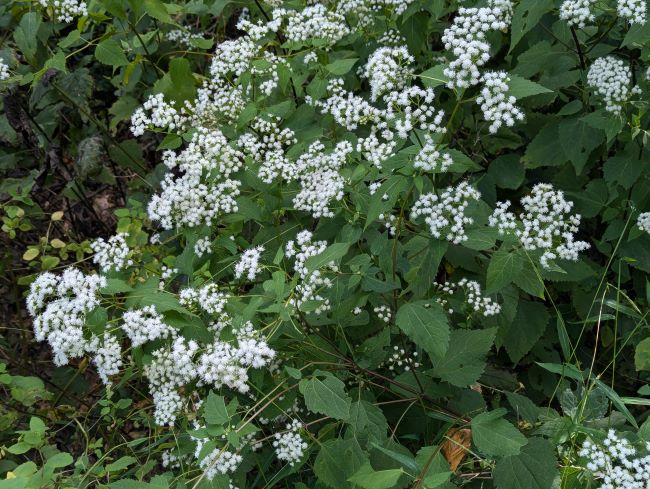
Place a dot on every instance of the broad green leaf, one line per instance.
(332, 253)
(341, 66)
(214, 411)
(527, 328)
(504, 266)
(121, 464)
(26, 34)
(157, 10)
(434, 77)
(642, 355)
(368, 478)
(109, 52)
(496, 436)
(526, 16)
(326, 396)
(338, 460)
(519, 87)
(426, 326)
(534, 468)
(578, 140)
(464, 361)
(182, 79)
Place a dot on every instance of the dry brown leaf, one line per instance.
(455, 446)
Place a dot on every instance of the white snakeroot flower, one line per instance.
(59, 305)
(498, 108)
(289, 446)
(388, 70)
(170, 369)
(310, 57)
(474, 298)
(202, 246)
(390, 221)
(430, 159)
(113, 254)
(466, 40)
(66, 10)
(146, 324)
(611, 77)
(4, 70)
(183, 37)
(220, 461)
(204, 189)
(320, 181)
(349, 110)
(314, 22)
(577, 13)
(616, 463)
(249, 263)
(156, 113)
(252, 351)
(399, 358)
(445, 214)
(546, 224)
(108, 356)
(207, 298)
(632, 10)
(643, 222)
(310, 282)
(383, 313)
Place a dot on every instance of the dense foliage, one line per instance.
(342, 244)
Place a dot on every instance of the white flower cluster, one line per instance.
(497, 107)
(643, 222)
(4, 70)
(320, 181)
(473, 296)
(388, 70)
(249, 263)
(349, 110)
(113, 254)
(577, 13)
(616, 463)
(267, 144)
(204, 189)
(289, 446)
(445, 214)
(156, 113)
(146, 324)
(208, 298)
(431, 159)
(466, 40)
(59, 305)
(390, 221)
(310, 281)
(66, 10)
(546, 224)
(314, 22)
(202, 246)
(220, 461)
(183, 37)
(383, 312)
(400, 359)
(632, 10)
(611, 78)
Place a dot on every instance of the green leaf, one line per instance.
(183, 87)
(534, 468)
(369, 478)
(526, 16)
(464, 361)
(519, 87)
(157, 10)
(544, 149)
(121, 464)
(392, 187)
(504, 266)
(578, 140)
(116, 286)
(434, 77)
(624, 168)
(642, 355)
(341, 66)
(326, 396)
(26, 34)
(215, 411)
(427, 327)
(332, 253)
(338, 460)
(109, 52)
(496, 436)
(527, 328)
